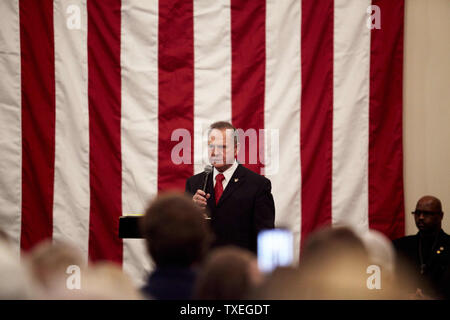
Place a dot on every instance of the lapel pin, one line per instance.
(236, 179)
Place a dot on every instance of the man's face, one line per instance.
(427, 216)
(221, 148)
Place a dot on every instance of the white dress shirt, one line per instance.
(227, 174)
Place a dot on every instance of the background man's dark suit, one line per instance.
(245, 208)
(437, 272)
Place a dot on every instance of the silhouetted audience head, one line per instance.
(99, 281)
(106, 281)
(380, 250)
(333, 242)
(382, 254)
(49, 262)
(229, 273)
(284, 283)
(176, 231)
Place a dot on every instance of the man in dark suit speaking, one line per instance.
(240, 201)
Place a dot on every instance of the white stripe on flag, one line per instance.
(350, 114)
(71, 190)
(139, 127)
(282, 111)
(10, 122)
(212, 71)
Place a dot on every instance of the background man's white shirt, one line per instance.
(227, 174)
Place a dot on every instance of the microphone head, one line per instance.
(208, 169)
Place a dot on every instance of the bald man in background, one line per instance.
(427, 253)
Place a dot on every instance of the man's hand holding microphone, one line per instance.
(201, 197)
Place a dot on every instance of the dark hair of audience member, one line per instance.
(229, 273)
(176, 231)
(333, 265)
(333, 242)
(284, 283)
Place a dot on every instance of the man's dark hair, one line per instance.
(176, 231)
(220, 125)
(225, 275)
(333, 241)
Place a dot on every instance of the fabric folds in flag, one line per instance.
(104, 104)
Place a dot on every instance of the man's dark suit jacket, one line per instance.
(245, 207)
(437, 274)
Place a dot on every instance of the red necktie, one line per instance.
(218, 188)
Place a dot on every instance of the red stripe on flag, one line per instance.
(248, 43)
(38, 120)
(104, 129)
(176, 92)
(316, 113)
(386, 203)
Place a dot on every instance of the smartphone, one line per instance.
(275, 248)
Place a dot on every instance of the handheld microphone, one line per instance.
(208, 170)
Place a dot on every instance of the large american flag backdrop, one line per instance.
(91, 93)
